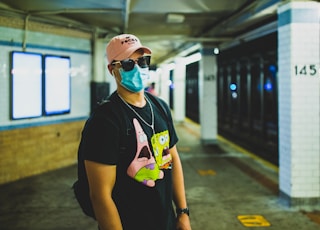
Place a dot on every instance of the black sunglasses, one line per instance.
(128, 64)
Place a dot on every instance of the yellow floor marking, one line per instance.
(253, 221)
(207, 172)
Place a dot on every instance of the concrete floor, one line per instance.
(226, 189)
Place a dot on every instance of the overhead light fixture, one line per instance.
(175, 18)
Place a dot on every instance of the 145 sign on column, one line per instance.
(311, 70)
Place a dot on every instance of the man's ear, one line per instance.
(110, 69)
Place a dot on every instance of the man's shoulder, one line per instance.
(107, 110)
(155, 98)
(160, 103)
(108, 105)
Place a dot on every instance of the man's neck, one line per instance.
(136, 99)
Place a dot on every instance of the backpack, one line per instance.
(81, 191)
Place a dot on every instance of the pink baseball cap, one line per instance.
(122, 46)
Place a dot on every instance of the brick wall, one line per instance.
(34, 150)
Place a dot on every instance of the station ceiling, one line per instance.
(166, 26)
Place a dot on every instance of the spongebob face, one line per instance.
(143, 168)
(160, 144)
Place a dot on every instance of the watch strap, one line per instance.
(180, 211)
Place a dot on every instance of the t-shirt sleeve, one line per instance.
(100, 140)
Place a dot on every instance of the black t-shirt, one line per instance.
(115, 135)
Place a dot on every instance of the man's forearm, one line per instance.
(107, 214)
(178, 182)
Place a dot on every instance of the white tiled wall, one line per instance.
(299, 103)
(79, 51)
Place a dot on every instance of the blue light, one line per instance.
(272, 68)
(233, 87)
(268, 85)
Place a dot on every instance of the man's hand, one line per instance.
(183, 222)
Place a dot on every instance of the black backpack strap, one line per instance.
(117, 105)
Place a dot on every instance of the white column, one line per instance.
(299, 102)
(99, 62)
(179, 92)
(164, 77)
(208, 96)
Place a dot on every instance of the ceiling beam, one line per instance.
(126, 14)
(73, 11)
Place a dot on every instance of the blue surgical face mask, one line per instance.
(134, 80)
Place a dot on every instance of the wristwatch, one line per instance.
(180, 211)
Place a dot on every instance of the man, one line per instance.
(133, 180)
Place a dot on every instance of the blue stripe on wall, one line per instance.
(207, 51)
(298, 16)
(34, 46)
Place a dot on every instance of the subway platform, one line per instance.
(227, 188)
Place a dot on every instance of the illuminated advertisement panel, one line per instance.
(57, 85)
(26, 85)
